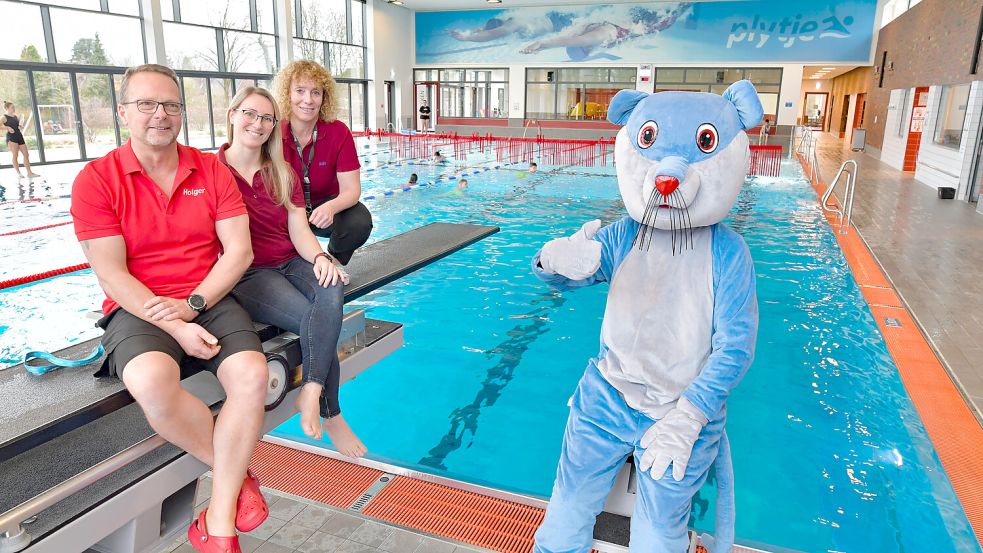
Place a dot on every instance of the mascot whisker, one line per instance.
(679, 325)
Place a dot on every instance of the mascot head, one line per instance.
(682, 157)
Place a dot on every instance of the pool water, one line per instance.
(829, 452)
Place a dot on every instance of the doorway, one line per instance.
(844, 115)
(427, 94)
(390, 105)
(814, 113)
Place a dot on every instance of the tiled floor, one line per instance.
(931, 250)
(296, 524)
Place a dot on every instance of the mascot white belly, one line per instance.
(679, 325)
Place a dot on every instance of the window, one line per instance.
(904, 111)
(951, 115)
(14, 88)
(767, 81)
(25, 40)
(96, 39)
(472, 93)
(582, 93)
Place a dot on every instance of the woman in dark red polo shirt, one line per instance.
(292, 284)
(321, 151)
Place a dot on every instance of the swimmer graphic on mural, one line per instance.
(581, 32)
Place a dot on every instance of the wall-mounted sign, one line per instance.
(917, 118)
(687, 32)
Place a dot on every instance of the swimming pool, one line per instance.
(829, 453)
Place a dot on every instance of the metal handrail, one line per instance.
(10, 521)
(851, 181)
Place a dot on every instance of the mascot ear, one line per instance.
(745, 98)
(623, 104)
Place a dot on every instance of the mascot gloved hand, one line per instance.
(575, 257)
(671, 439)
(679, 325)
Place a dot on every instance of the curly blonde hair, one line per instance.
(314, 71)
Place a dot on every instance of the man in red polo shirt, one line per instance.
(166, 232)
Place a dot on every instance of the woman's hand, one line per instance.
(322, 216)
(325, 271)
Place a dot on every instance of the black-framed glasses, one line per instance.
(251, 115)
(150, 106)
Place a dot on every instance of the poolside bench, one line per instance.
(55, 427)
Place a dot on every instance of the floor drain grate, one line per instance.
(371, 492)
(892, 322)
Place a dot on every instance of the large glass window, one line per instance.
(197, 125)
(56, 113)
(324, 20)
(581, 93)
(98, 113)
(767, 81)
(346, 61)
(469, 92)
(249, 53)
(221, 98)
(191, 47)
(23, 40)
(96, 39)
(14, 88)
(952, 115)
(216, 46)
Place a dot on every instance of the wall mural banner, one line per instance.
(653, 32)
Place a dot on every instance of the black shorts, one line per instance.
(128, 336)
(16, 138)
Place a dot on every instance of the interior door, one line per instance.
(429, 93)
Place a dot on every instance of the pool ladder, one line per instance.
(851, 181)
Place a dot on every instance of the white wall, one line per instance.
(898, 113)
(391, 54)
(940, 166)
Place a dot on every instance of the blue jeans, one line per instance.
(289, 297)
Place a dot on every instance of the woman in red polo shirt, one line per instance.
(292, 284)
(321, 150)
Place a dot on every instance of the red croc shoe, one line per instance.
(201, 541)
(251, 509)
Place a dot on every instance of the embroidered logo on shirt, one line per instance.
(196, 192)
(322, 163)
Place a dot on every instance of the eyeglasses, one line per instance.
(252, 115)
(150, 106)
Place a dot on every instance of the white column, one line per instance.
(153, 31)
(285, 30)
(517, 91)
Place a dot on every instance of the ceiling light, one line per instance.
(494, 1)
(829, 68)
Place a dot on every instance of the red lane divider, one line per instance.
(22, 231)
(41, 276)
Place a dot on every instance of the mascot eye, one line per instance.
(706, 138)
(647, 134)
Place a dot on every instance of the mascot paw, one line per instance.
(577, 256)
(671, 439)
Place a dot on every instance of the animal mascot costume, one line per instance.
(679, 326)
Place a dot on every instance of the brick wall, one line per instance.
(930, 44)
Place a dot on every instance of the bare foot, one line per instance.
(344, 440)
(32, 175)
(307, 404)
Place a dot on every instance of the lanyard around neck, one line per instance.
(306, 166)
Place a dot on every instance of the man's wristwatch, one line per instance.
(197, 303)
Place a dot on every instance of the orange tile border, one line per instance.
(954, 431)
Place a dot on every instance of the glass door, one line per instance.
(55, 110)
(426, 106)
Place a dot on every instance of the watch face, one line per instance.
(196, 302)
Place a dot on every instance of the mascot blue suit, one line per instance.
(679, 326)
